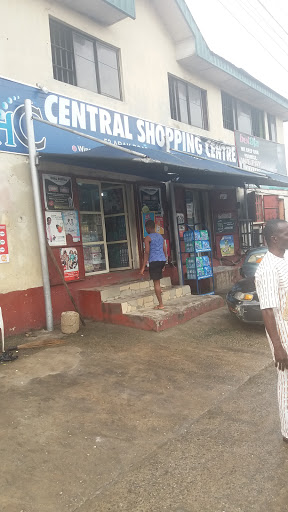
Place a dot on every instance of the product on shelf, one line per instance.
(206, 245)
(190, 263)
(204, 235)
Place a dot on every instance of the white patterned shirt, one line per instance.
(271, 281)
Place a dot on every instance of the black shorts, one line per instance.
(155, 270)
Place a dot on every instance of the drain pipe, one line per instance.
(38, 214)
(173, 217)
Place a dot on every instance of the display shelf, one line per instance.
(199, 264)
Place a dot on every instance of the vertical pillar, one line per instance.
(38, 215)
(173, 219)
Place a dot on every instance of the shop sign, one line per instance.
(225, 225)
(105, 124)
(255, 154)
(4, 254)
(57, 192)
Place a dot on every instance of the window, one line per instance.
(104, 226)
(188, 103)
(238, 115)
(228, 111)
(272, 127)
(83, 61)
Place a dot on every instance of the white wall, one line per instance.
(17, 212)
(147, 54)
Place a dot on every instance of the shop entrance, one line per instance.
(104, 226)
(198, 208)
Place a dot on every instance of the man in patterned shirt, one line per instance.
(271, 281)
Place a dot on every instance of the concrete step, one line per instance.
(93, 301)
(132, 288)
(143, 298)
(175, 312)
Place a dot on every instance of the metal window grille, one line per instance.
(62, 53)
(228, 111)
(257, 118)
(107, 69)
(272, 131)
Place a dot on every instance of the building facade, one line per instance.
(139, 75)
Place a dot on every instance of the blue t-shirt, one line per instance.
(156, 248)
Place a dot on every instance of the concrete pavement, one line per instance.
(124, 420)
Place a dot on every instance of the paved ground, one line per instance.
(123, 420)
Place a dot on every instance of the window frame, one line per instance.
(235, 107)
(175, 112)
(94, 41)
(269, 118)
(94, 212)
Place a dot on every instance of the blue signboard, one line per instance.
(115, 127)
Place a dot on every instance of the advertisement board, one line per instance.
(255, 154)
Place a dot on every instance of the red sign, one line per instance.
(4, 254)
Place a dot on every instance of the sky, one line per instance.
(263, 52)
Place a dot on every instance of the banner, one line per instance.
(255, 154)
(105, 124)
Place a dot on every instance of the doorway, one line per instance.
(104, 227)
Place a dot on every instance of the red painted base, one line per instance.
(24, 310)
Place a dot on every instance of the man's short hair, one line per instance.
(150, 224)
(271, 229)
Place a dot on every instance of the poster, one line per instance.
(159, 224)
(58, 193)
(180, 222)
(71, 224)
(150, 199)
(69, 261)
(55, 230)
(189, 208)
(227, 245)
(145, 218)
(4, 254)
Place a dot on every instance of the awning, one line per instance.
(165, 166)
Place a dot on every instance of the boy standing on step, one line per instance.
(156, 255)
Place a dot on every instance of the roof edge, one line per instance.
(126, 7)
(203, 51)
